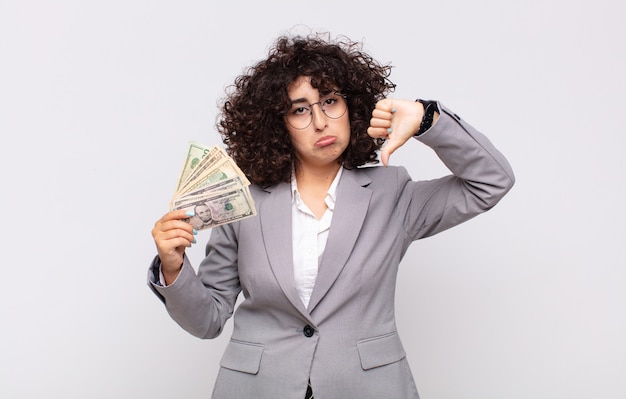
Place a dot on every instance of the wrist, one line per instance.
(170, 273)
(430, 116)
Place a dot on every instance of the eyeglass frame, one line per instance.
(310, 106)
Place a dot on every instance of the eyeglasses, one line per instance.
(333, 106)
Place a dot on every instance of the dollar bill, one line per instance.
(195, 153)
(226, 169)
(212, 186)
(214, 209)
(214, 156)
(218, 185)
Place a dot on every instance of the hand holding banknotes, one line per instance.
(211, 191)
(172, 236)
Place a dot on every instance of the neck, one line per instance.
(318, 176)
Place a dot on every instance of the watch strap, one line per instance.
(430, 107)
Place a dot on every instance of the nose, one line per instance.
(318, 116)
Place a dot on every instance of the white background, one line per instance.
(99, 99)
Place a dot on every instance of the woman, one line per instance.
(317, 266)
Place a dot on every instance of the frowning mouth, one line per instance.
(326, 141)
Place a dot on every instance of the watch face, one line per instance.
(432, 107)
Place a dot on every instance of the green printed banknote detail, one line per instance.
(211, 185)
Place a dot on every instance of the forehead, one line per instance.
(301, 85)
(301, 89)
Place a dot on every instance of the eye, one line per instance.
(330, 101)
(299, 111)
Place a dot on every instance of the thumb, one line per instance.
(387, 150)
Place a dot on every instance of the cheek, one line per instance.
(346, 129)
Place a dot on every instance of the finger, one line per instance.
(174, 245)
(382, 114)
(170, 230)
(380, 122)
(386, 104)
(176, 215)
(379, 127)
(165, 236)
(378, 132)
(387, 150)
(173, 219)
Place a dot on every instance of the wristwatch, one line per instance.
(430, 107)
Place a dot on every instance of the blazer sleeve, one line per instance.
(480, 177)
(202, 303)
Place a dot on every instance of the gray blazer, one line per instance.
(346, 340)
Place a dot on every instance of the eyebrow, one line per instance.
(304, 100)
(299, 100)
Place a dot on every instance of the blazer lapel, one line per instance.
(353, 198)
(275, 217)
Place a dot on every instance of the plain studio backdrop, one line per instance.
(99, 99)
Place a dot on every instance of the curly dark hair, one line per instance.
(251, 122)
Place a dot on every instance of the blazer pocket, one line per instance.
(242, 356)
(380, 351)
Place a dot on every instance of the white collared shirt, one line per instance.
(309, 236)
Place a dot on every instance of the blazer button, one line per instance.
(308, 331)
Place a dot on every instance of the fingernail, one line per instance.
(190, 213)
(195, 232)
(393, 110)
(389, 130)
(194, 240)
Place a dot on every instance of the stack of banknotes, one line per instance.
(212, 187)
